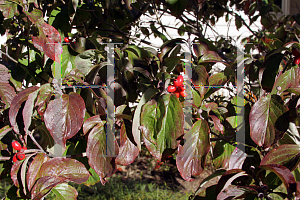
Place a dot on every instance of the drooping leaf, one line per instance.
(28, 109)
(99, 149)
(191, 156)
(24, 170)
(233, 191)
(237, 159)
(14, 172)
(228, 177)
(34, 168)
(200, 48)
(168, 46)
(269, 70)
(200, 79)
(221, 154)
(16, 104)
(64, 191)
(127, 151)
(64, 117)
(284, 174)
(44, 185)
(137, 113)
(7, 94)
(162, 123)
(263, 118)
(286, 154)
(217, 123)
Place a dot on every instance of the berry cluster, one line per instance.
(296, 53)
(20, 155)
(177, 88)
(69, 40)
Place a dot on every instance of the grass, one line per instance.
(115, 189)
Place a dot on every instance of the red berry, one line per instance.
(15, 158)
(16, 145)
(176, 83)
(182, 93)
(180, 79)
(24, 148)
(295, 52)
(20, 156)
(297, 60)
(181, 88)
(171, 88)
(177, 94)
(67, 40)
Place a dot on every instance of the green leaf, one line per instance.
(162, 124)
(238, 23)
(217, 79)
(263, 118)
(177, 7)
(284, 174)
(64, 191)
(85, 60)
(191, 156)
(210, 56)
(200, 48)
(8, 9)
(289, 79)
(137, 113)
(221, 154)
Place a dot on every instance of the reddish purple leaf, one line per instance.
(237, 159)
(14, 172)
(127, 151)
(16, 104)
(43, 98)
(285, 154)
(210, 56)
(200, 48)
(49, 40)
(4, 74)
(97, 148)
(44, 185)
(34, 168)
(217, 123)
(226, 179)
(191, 157)
(91, 122)
(200, 78)
(28, 110)
(66, 169)
(235, 192)
(262, 118)
(284, 174)
(64, 117)
(7, 94)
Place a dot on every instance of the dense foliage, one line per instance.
(69, 112)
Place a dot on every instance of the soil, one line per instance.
(166, 175)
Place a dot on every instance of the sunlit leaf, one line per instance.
(191, 156)
(263, 119)
(64, 117)
(162, 123)
(286, 154)
(64, 191)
